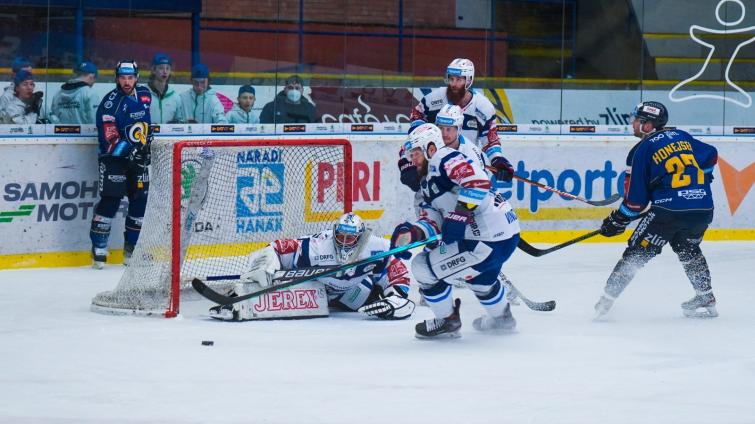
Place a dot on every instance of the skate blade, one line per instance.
(445, 336)
(706, 312)
(98, 265)
(497, 331)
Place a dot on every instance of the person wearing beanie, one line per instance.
(242, 111)
(166, 103)
(200, 103)
(25, 106)
(289, 105)
(19, 64)
(76, 102)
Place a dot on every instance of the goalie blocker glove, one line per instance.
(393, 306)
(614, 224)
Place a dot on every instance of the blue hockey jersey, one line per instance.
(123, 121)
(669, 169)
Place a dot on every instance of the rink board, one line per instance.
(48, 189)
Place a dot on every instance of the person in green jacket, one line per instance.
(200, 103)
(242, 111)
(166, 103)
(76, 102)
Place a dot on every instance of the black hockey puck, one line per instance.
(208, 343)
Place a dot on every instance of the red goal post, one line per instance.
(229, 197)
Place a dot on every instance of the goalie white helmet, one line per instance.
(347, 233)
(461, 67)
(450, 116)
(422, 137)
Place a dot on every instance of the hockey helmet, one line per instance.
(653, 112)
(347, 233)
(450, 116)
(422, 137)
(127, 67)
(461, 67)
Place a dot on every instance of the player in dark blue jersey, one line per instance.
(668, 186)
(124, 136)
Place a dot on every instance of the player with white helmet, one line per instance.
(377, 289)
(479, 118)
(480, 231)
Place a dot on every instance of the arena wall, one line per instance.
(48, 188)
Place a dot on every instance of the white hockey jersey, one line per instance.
(471, 151)
(479, 119)
(319, 250)
(453, 178)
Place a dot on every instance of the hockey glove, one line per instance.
(505, 170)
(454, 226)
(393, 305)
(404, 234)
(614, 224)
(409, 174)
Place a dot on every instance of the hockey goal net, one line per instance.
(212, 202)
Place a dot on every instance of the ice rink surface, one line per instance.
(61, 363)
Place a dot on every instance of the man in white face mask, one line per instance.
(289, 106)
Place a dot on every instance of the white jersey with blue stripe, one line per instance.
(479, 124)
(453, 177)
(319, 250)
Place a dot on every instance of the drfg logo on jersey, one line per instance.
(260, 191)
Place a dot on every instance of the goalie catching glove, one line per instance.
(394, 305)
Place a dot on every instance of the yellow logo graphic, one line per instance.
(503, 112)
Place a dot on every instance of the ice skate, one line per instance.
(225, 312)
(488, 324)
(439, 328)
(99, 257)
(603, 306)
(703, 305)
(128, 251)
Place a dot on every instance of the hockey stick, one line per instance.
(281, 275)
(534, 251)
(535, 306)
(307, 275)
(605, 202)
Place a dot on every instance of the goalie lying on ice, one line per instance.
(378, 289)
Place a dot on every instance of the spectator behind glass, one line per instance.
(76, 102)
(242, 112)
(166, 103)
(289, 106)
(19, 64)
(25, 105)
(200, 104)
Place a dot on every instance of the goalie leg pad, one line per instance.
(306, 300)
(262, 266)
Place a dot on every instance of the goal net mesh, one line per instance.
(235, 197)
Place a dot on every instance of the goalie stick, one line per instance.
(280, 275)
(605, 202)
(534, 251)
(306, 275)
